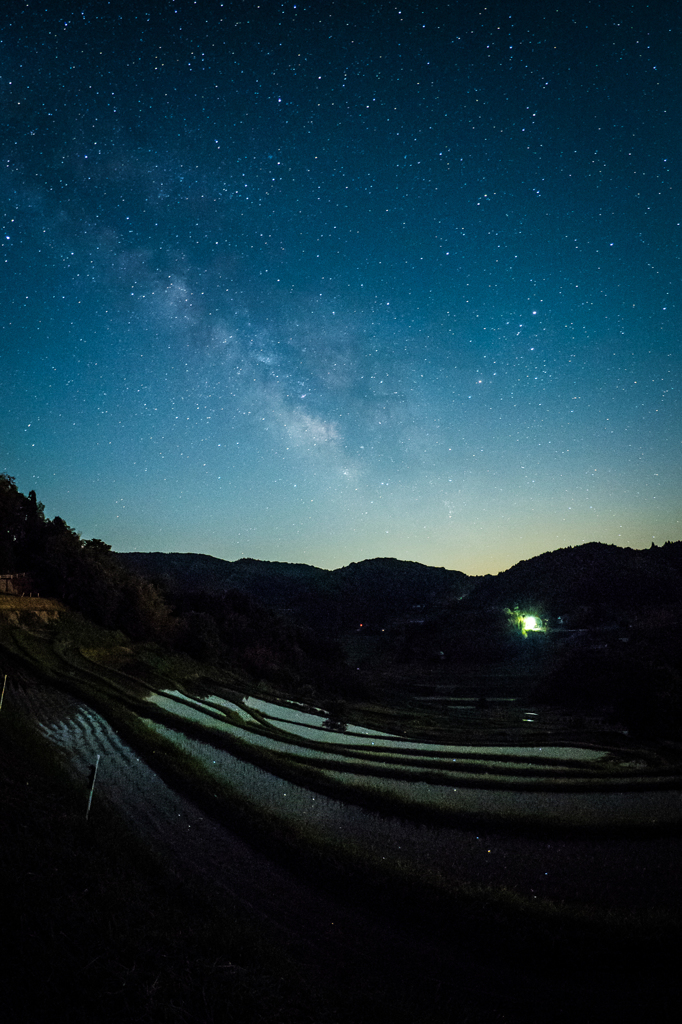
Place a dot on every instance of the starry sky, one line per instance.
(325, 281)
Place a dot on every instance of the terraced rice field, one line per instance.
(560, 785)
(572, 785)
(616, 873)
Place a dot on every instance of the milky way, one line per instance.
(322, 282)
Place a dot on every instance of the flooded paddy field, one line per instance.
(589, 786)
(638, 874)
(609, 874)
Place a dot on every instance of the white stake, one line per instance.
(2, 695)
(92, 786)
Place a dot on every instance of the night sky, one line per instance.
(328, 281)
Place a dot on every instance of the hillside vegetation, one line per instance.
(231, 625)
(377, 590)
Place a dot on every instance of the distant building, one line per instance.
(16, 583)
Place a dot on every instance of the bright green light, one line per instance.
(530, 622)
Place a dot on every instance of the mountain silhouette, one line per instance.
(380, 590)
(376, 590)
(593, 574)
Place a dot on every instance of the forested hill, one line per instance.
(380, 590)
(594, 574)
(376, 590)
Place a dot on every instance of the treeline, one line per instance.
(84, 575)
(610, 580)
(88, 578)
(232, 627)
